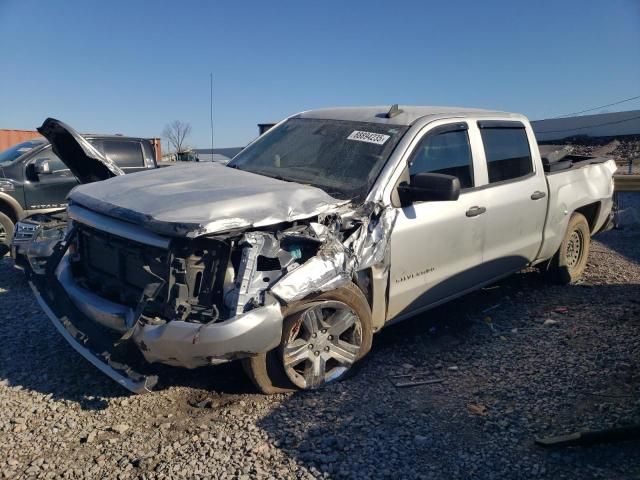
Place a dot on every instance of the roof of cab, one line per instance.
(407, 116)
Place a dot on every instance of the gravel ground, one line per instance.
(516, 360)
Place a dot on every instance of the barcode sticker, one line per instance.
(369, 137)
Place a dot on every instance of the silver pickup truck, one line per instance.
(330, 226)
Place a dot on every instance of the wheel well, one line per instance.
(590, 212)
(363, 280)
(8, 211)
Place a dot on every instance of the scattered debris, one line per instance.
(421, 382)
(550, 322)
(591, 437)
(413, 379)
(563, 310)
(477, 409)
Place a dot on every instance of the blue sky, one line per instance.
(132, 66)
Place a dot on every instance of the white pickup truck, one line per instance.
(330, 226)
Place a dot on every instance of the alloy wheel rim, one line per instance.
(574, 249)
(3, 234)
(323, 344)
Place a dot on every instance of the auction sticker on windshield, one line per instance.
(369, 137)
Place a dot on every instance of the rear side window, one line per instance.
(507, 150)
(125, 154)
(445, 150)
(149, 149)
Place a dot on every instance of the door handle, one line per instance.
(537, 195)
(475, 211)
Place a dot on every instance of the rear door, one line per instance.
(516, 198)
(436, 247)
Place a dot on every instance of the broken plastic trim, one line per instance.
(338, 261)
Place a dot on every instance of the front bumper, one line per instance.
(29, 249)
(95, 326)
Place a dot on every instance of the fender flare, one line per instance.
(14, 206)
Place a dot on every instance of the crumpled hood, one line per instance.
(202, 198)
(85, 162)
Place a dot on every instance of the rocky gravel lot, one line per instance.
(515, 361)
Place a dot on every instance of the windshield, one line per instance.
(340, 157)
(10, 154)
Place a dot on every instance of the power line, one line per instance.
(597, 108)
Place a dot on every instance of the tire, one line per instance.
(267, 371)
(6, 233)
(569, 262)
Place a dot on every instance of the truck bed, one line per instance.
(566, 162)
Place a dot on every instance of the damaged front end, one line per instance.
(35, 238)
(126, 298)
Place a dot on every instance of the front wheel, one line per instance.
(322, 338)
(570, 261)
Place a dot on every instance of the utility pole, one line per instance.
(211, 108)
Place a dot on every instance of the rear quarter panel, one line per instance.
(568, 191)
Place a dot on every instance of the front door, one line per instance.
(48, 190)
(436, 246)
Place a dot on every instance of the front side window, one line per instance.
(507, 151)
(343, 158)
(445, 150)
(125, 154)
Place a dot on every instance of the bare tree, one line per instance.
(176, 132)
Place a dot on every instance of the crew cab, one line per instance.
(332, 225)
(33, 179)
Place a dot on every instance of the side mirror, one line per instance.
(424, 187)
(42, 166)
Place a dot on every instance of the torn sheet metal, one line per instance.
(336, 261)
(181, 202)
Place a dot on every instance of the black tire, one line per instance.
(6, 233)
(570, 261)
(266, 370)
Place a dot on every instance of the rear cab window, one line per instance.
(446, 150)
(507, 151)
(125, 153)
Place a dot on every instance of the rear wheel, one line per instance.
(6, 233)
(322, 338)
(570, 261)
